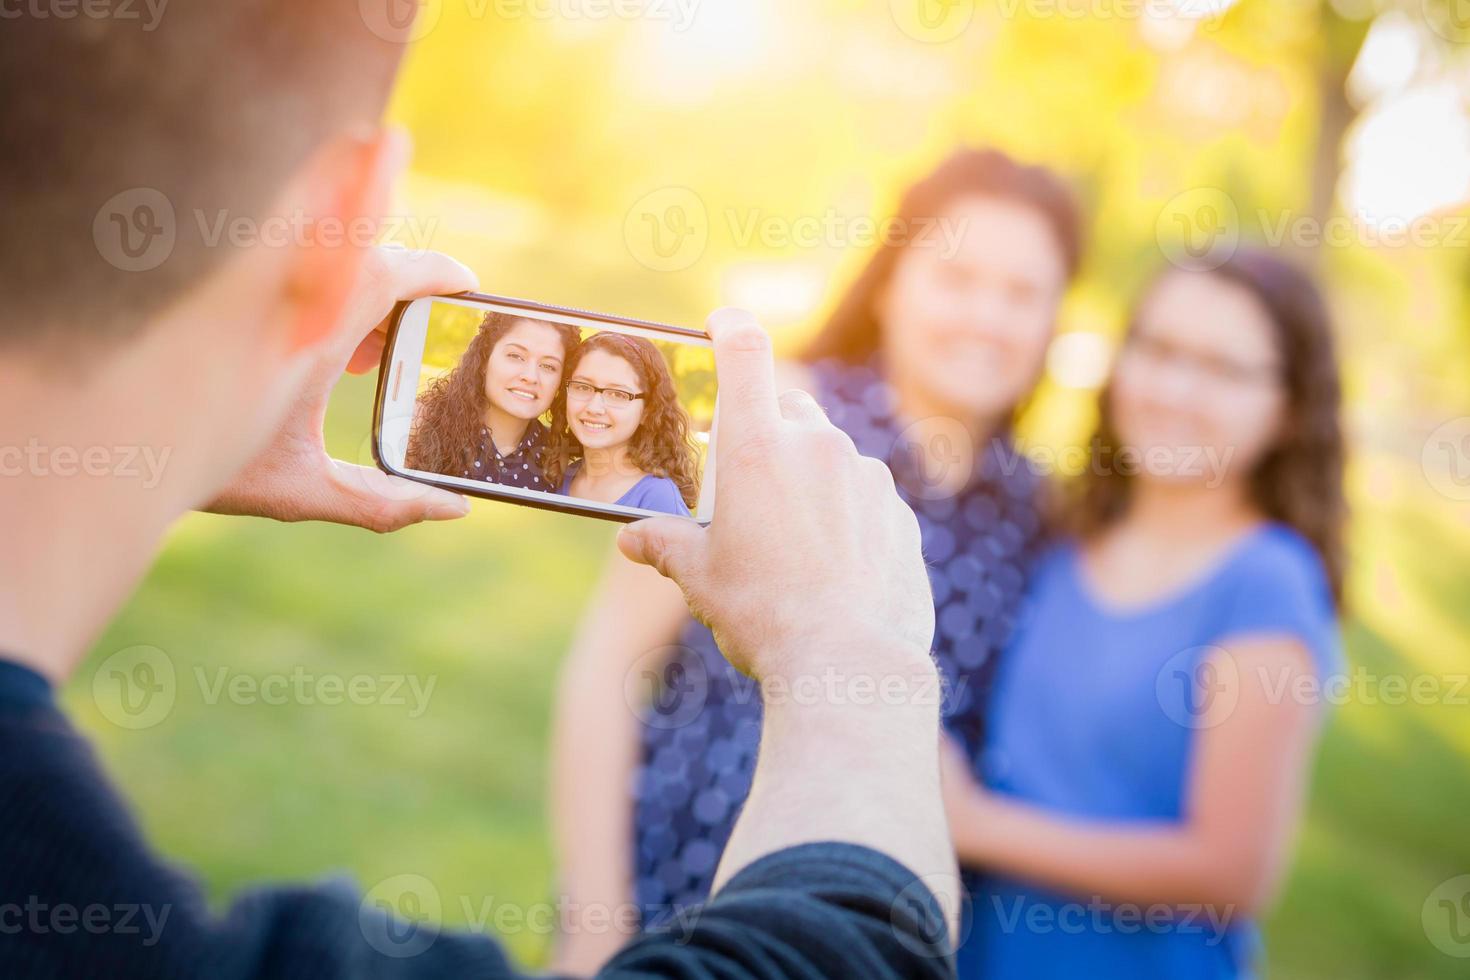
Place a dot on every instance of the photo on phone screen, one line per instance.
(550, 407)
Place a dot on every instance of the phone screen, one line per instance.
(570, 410)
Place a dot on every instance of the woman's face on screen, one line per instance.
(968, 312)
(597, 420)
(524, 369)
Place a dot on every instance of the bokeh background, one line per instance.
(658, 158)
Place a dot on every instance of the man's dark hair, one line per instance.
(198, 107)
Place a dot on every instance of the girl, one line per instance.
(934, 347)
(621, 436)
(481, 420)
(1148, 755)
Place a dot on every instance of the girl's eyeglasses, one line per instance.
(581, 391)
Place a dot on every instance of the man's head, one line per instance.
(176, 190)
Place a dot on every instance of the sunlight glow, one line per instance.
(1409, 156)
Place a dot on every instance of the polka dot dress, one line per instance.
(521, 468)
(701, 730)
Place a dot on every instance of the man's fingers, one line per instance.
(674, 546)
(747, 376)
(411, 274)
(370, 498)
(369, 353)
(800, 407)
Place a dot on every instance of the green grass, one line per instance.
(250, 792)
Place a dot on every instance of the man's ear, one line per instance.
(345, 189)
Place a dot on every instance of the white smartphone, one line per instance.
(549, 407)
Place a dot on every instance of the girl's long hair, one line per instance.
(662, 445)
(1299, 480)
(852, 333)
(446, 425)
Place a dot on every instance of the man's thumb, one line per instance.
(672, 545)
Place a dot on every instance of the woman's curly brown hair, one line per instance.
(1299, 481)
(446, 426)
(662, 445)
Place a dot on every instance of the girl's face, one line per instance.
(524, 369)
(1197, 393)
(599, 420)
(968, 312)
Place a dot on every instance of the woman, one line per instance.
(923, 363)
(1148, 754)
(481, 421)
(620, 435)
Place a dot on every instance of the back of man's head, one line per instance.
(130, 129)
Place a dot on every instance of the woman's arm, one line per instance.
(1246, 790)
(634, 614)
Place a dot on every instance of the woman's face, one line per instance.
(524, 369)
(1196, 394)
(968, 312)
(597, 420)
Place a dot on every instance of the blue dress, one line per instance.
(650, 493)
(701, 729)
(1093, 716)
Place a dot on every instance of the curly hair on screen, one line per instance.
(662, 446)
(446, 426)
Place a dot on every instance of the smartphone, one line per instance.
(550, 407)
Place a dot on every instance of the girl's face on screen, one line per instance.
(600, 422)
(524, 369)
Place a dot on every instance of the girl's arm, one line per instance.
(1246, 789)
(634, 614)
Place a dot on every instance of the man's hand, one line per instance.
(294, 479)
(812, 559)
(812, 579)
